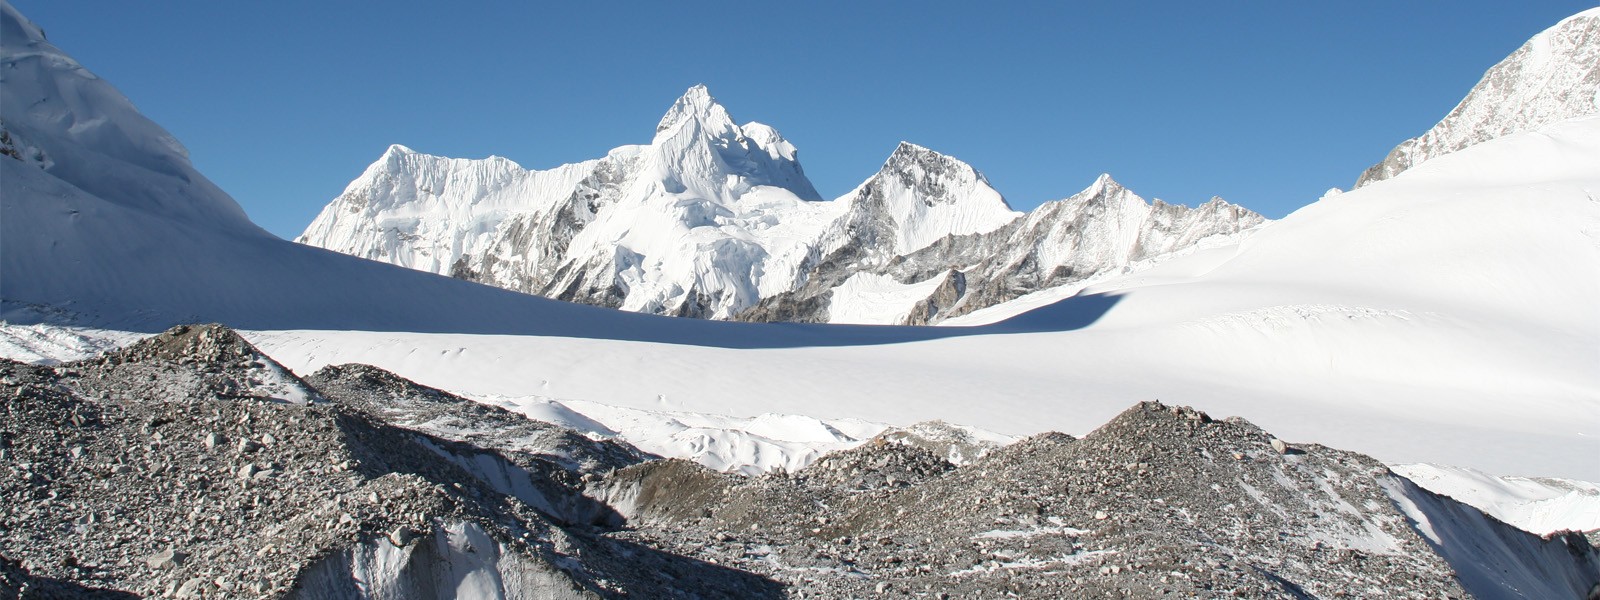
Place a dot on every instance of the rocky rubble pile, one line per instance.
(191, 466)
(404, 403)
(878, 464)
(954, 443)
(154, 470)
(1160, 502)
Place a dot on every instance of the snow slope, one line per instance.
(1412, 319)
(77, 127)
(1554, 76)
(1542, 506)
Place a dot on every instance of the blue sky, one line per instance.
(1266, 104)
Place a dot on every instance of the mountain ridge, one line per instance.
(1555, 75)
(710, 220)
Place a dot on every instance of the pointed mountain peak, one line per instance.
(696, 104)
(929, 196)
(1104, 181)
(1102, 186)
(396, 150)
(908, 157)
(910, 148)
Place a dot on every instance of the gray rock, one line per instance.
(170, 558)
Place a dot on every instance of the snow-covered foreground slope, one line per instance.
(1444, 316)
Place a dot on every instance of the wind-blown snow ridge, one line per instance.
(84, 132)
(1554, 76)
(710, 219)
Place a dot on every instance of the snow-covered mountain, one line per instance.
(712, 219)
(1554, 76)
(1103, 230)
(682, 225)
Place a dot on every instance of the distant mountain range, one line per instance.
(717, 220)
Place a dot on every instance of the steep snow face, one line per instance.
(1554, 76)
(392, 212)
(755, 153)
(1538, 505)
(60, 117)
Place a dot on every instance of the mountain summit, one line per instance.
(700, 142)
(710, 219)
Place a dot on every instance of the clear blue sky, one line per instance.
(1266, 104)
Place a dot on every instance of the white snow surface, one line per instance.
(82, 131)
(748, 445)
(870, 298)
(46, 344)
(1542, 505)
(1411, 320)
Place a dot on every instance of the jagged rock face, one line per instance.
(1554, 76)
(709, 220)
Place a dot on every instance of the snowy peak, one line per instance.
(1104, 195)
(926, 196)
(699, 149)
(1103, 187)
(1553, 77)
(713, 218)
(936, 178)
(697, 106)
(395, 152)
